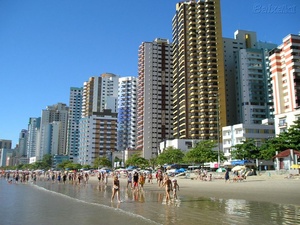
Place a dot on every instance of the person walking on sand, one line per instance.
(175, 188)
(116, 189)
(135, 180)
(227, 176)
(129, 180)
(142, 181)
(168, 185)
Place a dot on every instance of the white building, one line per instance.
(33, 136)
(236, 134)
(127, 113)
(283, 121)
(182, 144)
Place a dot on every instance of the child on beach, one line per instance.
(175, 188)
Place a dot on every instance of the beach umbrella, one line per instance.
(295, 166)
(220, 170)
(238, 168)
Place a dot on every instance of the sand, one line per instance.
(265, 188)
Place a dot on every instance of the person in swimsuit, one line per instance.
(129, 180)
(168, 184)
(175, 188)
(116, 189)
(135, 181)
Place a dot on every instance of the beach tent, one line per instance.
(220, 170)
(238, 168)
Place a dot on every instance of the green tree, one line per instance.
(46, 162)
(286, 140)
(86, 166)
(267, 149)
(153, 162)
(137, 160)
(102, 162)
(247, 150)
(202, 152)
(170, 155)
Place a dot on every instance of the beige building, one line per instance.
(199, 83)
(98, 125)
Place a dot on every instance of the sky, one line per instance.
(48, 46)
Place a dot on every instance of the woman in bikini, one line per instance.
(168, 184)
(116, 189)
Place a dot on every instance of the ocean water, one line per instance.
(65, 204)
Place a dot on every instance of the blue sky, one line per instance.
(48, 46)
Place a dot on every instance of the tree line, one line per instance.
(202, 152)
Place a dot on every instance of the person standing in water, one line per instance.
(116, 189)
(168, 185)
(175, 188)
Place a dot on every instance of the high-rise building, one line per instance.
(98, 136)
(5, 143)
(22, 147)
(100, 93)
(127, 97)
(154, 101)
(75, 106)
(54, 122)
(199, 82)
(33, 136)
(247, 78)
(285, 74)
(232, 46)
(98, 123)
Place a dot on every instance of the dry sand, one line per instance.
(275, 188)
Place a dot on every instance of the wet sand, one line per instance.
(274, 189)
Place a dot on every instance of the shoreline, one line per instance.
(275, 189)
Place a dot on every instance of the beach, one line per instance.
(265, 199)
(265, 188)
(274, 189)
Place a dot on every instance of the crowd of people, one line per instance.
(51, 176)
(135, 179)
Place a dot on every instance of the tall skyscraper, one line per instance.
(33, 136)
(75, 106)
(98, 123)
(285, 74)
(54, 123)
(154, 102)
(199, 83)
(127, 97)
(247, 78)
(22, 148)
(232, 46)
